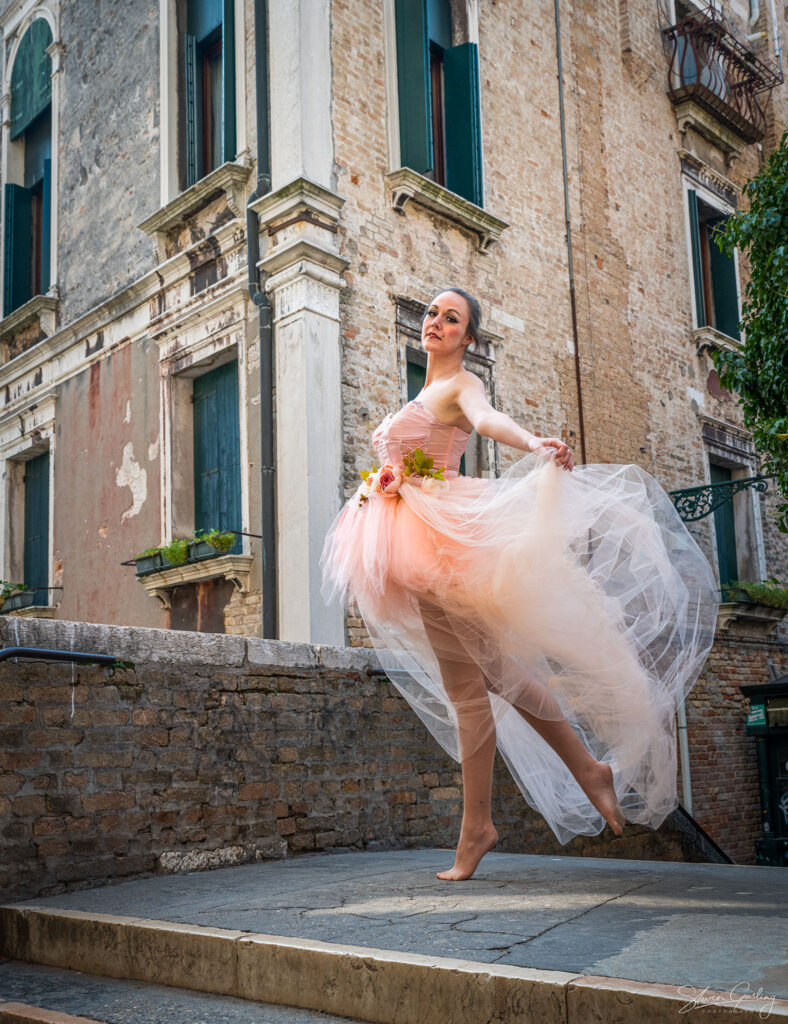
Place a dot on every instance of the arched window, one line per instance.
(438, 92)
(209, 86)
(28, 201)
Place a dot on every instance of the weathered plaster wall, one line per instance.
(107, 487)
(109, 144)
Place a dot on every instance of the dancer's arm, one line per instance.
(497, 425)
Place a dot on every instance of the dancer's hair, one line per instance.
(474, 310)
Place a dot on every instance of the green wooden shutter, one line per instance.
(18, 282)
(228, 81)
(697, 268)
(723, 277)
(463, 122)
(31, 77)
(725, 530)
(413, 85)
(36, 542)
(46, 224)
(217, 451)
(416, 376)
(190, 108)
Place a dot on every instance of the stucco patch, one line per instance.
(131, 474)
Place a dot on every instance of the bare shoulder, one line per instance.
(467, 383)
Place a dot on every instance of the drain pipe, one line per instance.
(572, 302)
(684, 759)
(265, 317)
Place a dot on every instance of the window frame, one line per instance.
(714, 202)
(172, 149)
(12, 169)
(38, 437)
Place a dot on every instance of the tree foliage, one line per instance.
(758, 369)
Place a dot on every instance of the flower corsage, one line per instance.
(388, 479)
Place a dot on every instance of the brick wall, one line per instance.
(207, 750)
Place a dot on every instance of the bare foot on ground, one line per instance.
(470, 850)
(597, 784)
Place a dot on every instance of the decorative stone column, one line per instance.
(304, 283)
(298, 239)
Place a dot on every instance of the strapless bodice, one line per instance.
(414, 426)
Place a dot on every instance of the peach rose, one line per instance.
(390, 480)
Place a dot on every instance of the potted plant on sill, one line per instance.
(210, 544)
(768, 592)
(205, 545)
(14, 596)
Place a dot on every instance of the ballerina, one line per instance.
(558, 614)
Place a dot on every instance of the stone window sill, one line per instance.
(760, 618)
(407, 185)
(41, 307)
(33, 611)
(229, 179)
(710, 338)
(236, 568)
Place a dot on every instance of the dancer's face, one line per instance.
(445, 325)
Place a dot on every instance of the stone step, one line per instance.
(48, 995)
(373, 985)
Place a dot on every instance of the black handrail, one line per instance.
(81, 657)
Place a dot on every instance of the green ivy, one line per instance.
(758, 368)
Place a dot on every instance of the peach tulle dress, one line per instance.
(568, 594)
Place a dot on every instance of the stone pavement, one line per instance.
(702, 926)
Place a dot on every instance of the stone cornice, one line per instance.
(122, 304)
(302, 250)
(163, 326)
(409, 186)
(690, 114)
(695, 169)
(299, 196)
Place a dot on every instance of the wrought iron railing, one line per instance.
(711, 64)
(694, 503)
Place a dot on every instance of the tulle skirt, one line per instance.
(546, 593)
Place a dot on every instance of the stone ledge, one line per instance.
(409, 186)
(325, 976)
(236, 568)
(709, 338)
(230, 178)
(758, 618)
(689, 114)
(41, 307)
(144, 644)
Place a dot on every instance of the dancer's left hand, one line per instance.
(560, 451)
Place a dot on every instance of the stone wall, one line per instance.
(207, 750)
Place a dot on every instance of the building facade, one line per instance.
(408, 145)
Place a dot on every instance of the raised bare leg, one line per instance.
(594, 777)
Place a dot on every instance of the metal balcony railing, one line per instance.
(708, 62)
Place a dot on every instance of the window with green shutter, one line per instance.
(36, 540)
(724, 530)
(217, 452)
(713, 271)
(439, 101)
(209, 86)
(27, 204)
